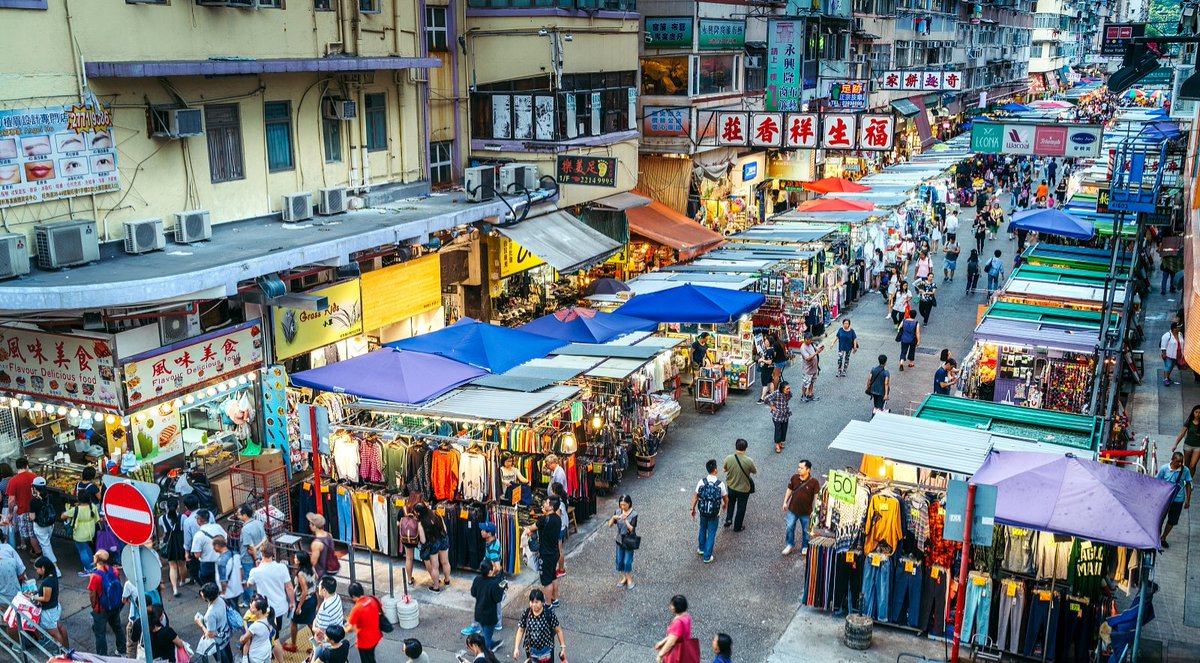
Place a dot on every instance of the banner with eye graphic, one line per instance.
(54, 153)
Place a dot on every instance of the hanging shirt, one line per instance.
(1019, 548)
(370, 461)
(444, 473)
(883, 523)
(472, 472)
(1053, 557)
(1085, 569)
(345, 457)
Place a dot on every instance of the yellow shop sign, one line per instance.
(515, 258)
(296, 332)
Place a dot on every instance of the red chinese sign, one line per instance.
(876, 132)
(801, 130)
(587, 171)
(72, 369)
(766, 129)
(838, 131)
(161, 375)
(733, 128)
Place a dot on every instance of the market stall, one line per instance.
(1067, 295)
(660, 236)
(1072, 431)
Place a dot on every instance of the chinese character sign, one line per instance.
(54, 153)
(912, 80)
(669, 32)
(163, 374)
(660, 121)
(921, 80)
(587, 171)
(850, 95)
(876, 132)
(838, 131)
(801, 130)
(784, 80)
(766, 129)
(721, 35)
(951, 80)
(74, 369)
(732, 128)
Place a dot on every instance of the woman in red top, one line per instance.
(675, 648)
(364, 620)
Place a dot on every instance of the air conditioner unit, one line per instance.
(192, 226)
(333, 200)
(341, 109)
(297, 207)
(176, 328)
(177, 122)
(14, 255)
(66, 244)
(480, 183)
(518, 177)
(144, 236)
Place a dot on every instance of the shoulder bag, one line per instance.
(1179, 361)
(874, 376)
(737, 459)
(630, 540)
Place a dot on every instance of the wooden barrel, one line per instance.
(645, 465)
(858, 631)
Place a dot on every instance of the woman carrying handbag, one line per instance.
(625, 520)
(679, 646)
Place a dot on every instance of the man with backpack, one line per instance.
(710, 498)
(995, 271)
(105, 591)
(367, 619)
(44, 518)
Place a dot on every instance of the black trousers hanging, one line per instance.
(933, 602)
(847, 581)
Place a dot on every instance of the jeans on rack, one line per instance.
(1079, 631)
(877, 579)
(978, 612)
(933, 602)
(1008, 628)
(847, 581)
(906, 595)
(345, 517)
(1043, 617)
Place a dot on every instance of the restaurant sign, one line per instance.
(587, 171)
(54, 153)
(67, 368)
(295, 332)
(163, 374)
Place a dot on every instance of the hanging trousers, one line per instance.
(906, 598)
(933, 602)
(978, 612)
(1079, 629)
(379, 510)
(1042, 614)
(877, 579)
(345, 515)
(847, 581)
(1008, 628)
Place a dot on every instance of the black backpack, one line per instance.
(46, 516)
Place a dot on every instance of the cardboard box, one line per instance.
(222, 488)
(269, 459)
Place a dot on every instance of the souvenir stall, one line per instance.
(660, 236)
(1032, 364)
(879, 545)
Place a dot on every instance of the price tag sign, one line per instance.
(842, 486)
(876, 560)
(980, 581)
(1044, 595)
(935, 572)
(1011, 589)
(849, 557)
(908, 566)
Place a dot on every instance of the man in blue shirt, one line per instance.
(945, 377)
(847, 340)
(1175, 473)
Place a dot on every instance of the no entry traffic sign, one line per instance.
(128, 514)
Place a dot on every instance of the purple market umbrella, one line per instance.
(1070, 495)
(391, 375)
(607, 287)
(583, 325)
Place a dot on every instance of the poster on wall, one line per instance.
(784, 81)
(848, 95)
(161, 375)
(157, 434)
(73, 369)
(667, 121)
(54, 153)
(587, 171)
(295, 332)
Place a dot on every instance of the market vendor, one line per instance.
(699, 356)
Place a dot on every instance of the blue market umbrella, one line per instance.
(491, 347)
(1015, 108)
(390, 375)
(607, 287)
(1052, 222)
(583, 325)
(693, 304)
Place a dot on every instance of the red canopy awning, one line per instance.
(835, 185)
(664, 225)
(835, 205)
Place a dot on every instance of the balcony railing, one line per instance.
(609, 5)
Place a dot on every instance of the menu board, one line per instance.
(53, 153)
(71, 369)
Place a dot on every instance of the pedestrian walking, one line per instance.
(46, 598)
(781, 412)
(329, 607)
(780, 358)
(12, 576)
(876, 267)
(20, 495)
(810, 367)
(945, 377)
(538, 630)
(951, 224)
(900, 302)
(1190, 437)
(972, 272)
(710, 497)
(923, 268)
(722, 646)
(879, 384)
(547, 528)
(483, 653)
(83, 519)
(304, 587)
(926, 297)
(273, 582)
(435, 546)
(251, 539)
(1175, 473)
(994, 268)
(950, 262)
(45, 516)
(1171, 347)
(798, 500)
(980, 228)
(214, 623)
(909, 336)
(258, 642)
(191, 504)
(364, 619)
(488, 593)
(229, 572)
(625, 520)
(739, 471)
(164, 641)
(170, 544)
(104, 590)
(766, 370)
(847, 340)
(202, 548)
(677, 645)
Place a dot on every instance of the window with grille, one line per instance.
(437, 34)
(331, 137)
(223, 130)
(375, 113)
(278, 118)
(441, 162)
(531, 109)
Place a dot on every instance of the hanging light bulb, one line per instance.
(597, 422)
(177, 404)
(189, 399)
(25, 405)
(14, 402)
(110, 420)
(222, 388)
(569, 445)
(98, 417)
(85, 415)
(73, 412)
(62, 411)
(242, 380)
(211, 392)
(251, 376)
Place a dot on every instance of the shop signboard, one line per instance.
(515, 258)
(838, 131)
(716, 35)
(55, 153)
(587, 171)
(64, 368)
(163, 374)
(668, 32)
(732, 128)
(843, 486)
(876, 132)
(749, 171)
(1103, 197)
(766, 129)
(913, 81)
(848, 95)
(1047, 139)
(1171, 170)
(401, 291)
(784, 80)
(801, 130)
(666, 121)
(983, 513)
(794, 165)
(1119, 35)
(295, 332)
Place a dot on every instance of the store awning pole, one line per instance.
(961, 600)
(316, 461)
(1137, 624)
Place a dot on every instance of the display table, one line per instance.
(711, 393)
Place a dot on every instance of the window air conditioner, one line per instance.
(66, 244)
(177, 122)
(333, 201)
(144, 236)
(176, 328)
(480, 183)
(340, 109)
(297, 207)
(14, 255)
(192, 226)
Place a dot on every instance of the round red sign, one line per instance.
(128, 514)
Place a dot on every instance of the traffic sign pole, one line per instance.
(138, 573)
